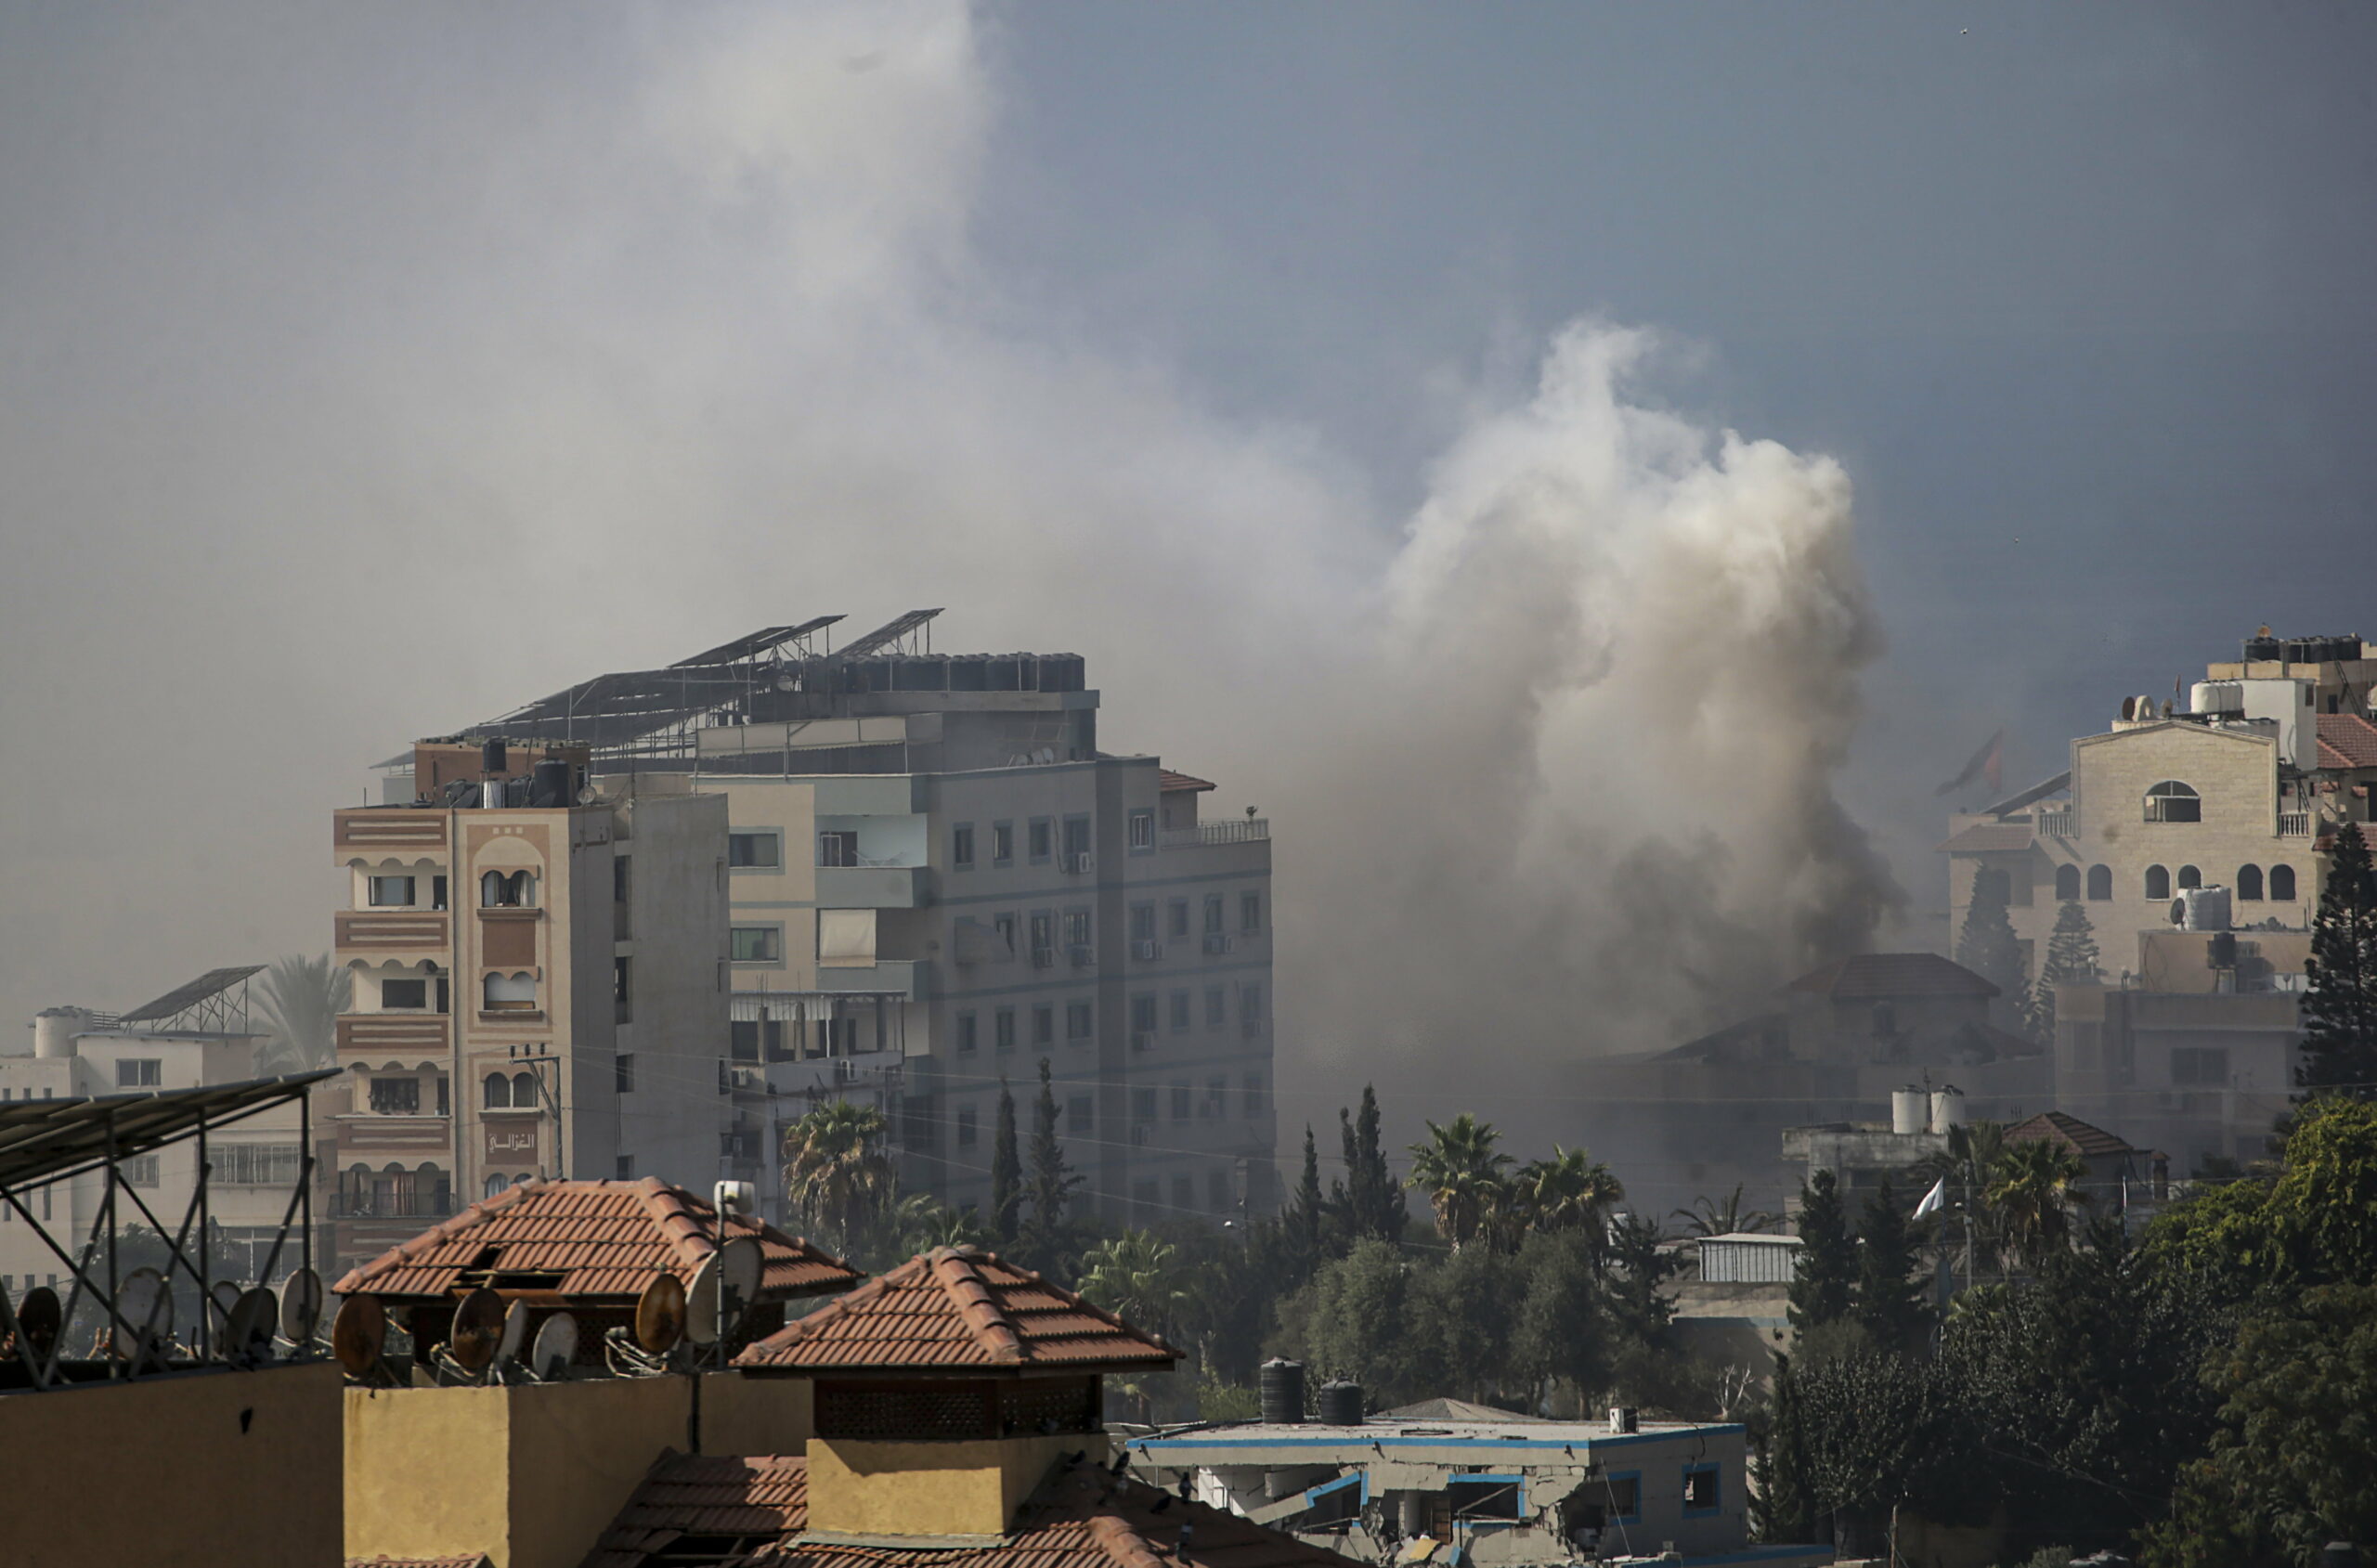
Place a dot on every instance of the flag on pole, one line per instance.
(1934, 1200)
(1987, 763)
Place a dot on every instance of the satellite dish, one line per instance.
(226, 1296)
(701, 1303)
(39, 1319)
(661, 1315)
(301, 1306)
(360, 1328)
(515, 1332)
(556, 1347)
(478, 1327)
(147, 1309)
(587, 797)
(785, 682)
(248, 1334)
(740, 1264)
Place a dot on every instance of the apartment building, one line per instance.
(539, 984)
(937, 880)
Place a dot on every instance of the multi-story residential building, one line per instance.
(937, 882)
(539, 984)
(194, 1036)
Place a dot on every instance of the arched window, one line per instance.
(510, 993)
(496, 1092)
(496, 1183)
(492, 885)
(2172, 801)
(2100, 881)
(523, 1178)
(507, 890)
(2067, 882)
(2249, 884)
(2190, 878)
(2158, 882)
(434, 1189)
(358, 1189)
(523, 1089)
(2281, 884)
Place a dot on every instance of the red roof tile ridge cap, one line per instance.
(961, 1277)
(673, 1216)
(834, 1312)
(1123, 1544)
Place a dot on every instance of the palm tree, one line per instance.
(1136, 1277)
(303, 998)
(1461, 1172)
(919, 1222)
(835, 1172)
(2033, 1188)
(1709, 1217)
(1570, 1191)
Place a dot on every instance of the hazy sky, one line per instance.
(367, 370)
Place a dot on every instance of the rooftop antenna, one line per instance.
(358, 1334)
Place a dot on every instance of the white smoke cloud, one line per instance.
(573, 359)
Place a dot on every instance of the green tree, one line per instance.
(1562, 1331)
(1823, 1285)
(1889, 1292)
(2340, 1008)
(1370, 1199)
(1007, 1173)
(1136, 1277)
(1709, 1217)
(1638, 1300)
(1461, 1171)
(920, 1222)
(1307, 1221)
(2033, 1190)
(1987, 944)
(303, 998)
(1569, 1192)
(2071, 959)
(1049, 1186)
(1464, 1313)
(836, 1175)
(1354, 1321)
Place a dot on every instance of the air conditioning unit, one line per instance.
(1149, 949)
(1081, 954)
(1143, 1041)
(1217, 941)
(1077, 864)
(1043, 958)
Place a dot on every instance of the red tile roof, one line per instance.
(1871, 975)
(1080, 1517)
(1988, 839)
(2347, 740)
(476, 1559)
(952, 1307)
(2055, 1127)
(1167, 781)
(604, 1238)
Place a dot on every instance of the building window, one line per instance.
(1216, 1007)
(139, 1072)
(1143, 1014)
(622, 986)
(1044, 938)
(2249, 884)
(758, 944)
(139, 1170)
(508, 889)
(1003, 935)
(965, 1127)
(2067, 883)
(961, 846)
(2172, 801)
(1177, 912)
(2190, 877)
(1081, 1117)
(1700, 1495)
(837, 846)
(1043, 1026)
(1079, 1021)
(1143, 1105)
(2200, 1066)
(495, 1093)
(1143, 830)
(402, 994)
(1212, 914)
(1003, 1030)
(1183, 1098)
(2100, 881)
(496, 1183)
(1143, 923)
(2281, 883)
(396, 1096)
(1622, 1494)
(623, 1073)
(1253, 1102)
(2158, 882)
(1044, 833)
(966, 1040)
(1002, 844)
(255, 1164)
(754, 849)
(1250, 912)
(1077, 927)
(1250, 1005)
(390, 892)
(1181, 1012)
(1216, 1101)
(438, 892)
(623, 1168)
(509, 993)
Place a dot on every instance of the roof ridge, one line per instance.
(444, 1230)
(673, 1216)
(842, 1306)
(970, 1293)
(1123, 1544)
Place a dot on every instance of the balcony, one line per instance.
(2294, 824)
(368, 1208)
(1206, 834)
(400, 1035)
(2057, 824)
(387, 828)
(389, 931)
(902, 977)
(872, 887)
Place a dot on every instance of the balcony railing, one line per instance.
(2294, 824)
(2057, 824)
(387, 827)
(1207, 834)
(392, 1032)
(349, 1208)
(389, 928)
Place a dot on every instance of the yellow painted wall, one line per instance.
(578, 1452)
(419, 1466)
(744, 1414)
(162, 1472)
(930, 1488)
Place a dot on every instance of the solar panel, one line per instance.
(885, 635)
(757, 642)
(41, 1140)
(182, 998)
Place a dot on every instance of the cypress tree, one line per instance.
(1371, 1198)
(2340, 1009)
(1987, 944)
(1307, 1213)
(1890, 1299)
(1821, 1291)
(2070, 959)
(1006, 1185)
(1051, 1185)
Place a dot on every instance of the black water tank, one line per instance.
(1341, 1405)
(2261, 650)
(491, 756)
(1280, 1385)
(548, 782)
(2223, 949)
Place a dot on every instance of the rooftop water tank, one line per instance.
(1341, 1405)
(2216, 697)
(2204, 909)
(1910, 1110)
(1279, 1386)
(1947, 1109)
(55, 1029)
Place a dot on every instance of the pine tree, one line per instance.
(1307, 1215)
(1051, 1185)
(2340, 1009)
(1987, 944)
(1371, 1199)
(2071, 959)
(1821, 1290)
(1890, 1299)
(1007, 1183)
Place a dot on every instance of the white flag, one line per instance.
(1934, 1200)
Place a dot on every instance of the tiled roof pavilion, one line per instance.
(956, 1309)
(589, 1240)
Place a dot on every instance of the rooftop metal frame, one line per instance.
(208, 1002)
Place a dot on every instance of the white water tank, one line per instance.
(2204, 909)
(1947, 1109)
(1910, 1111)
(2216, 697)
(55, 1029)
